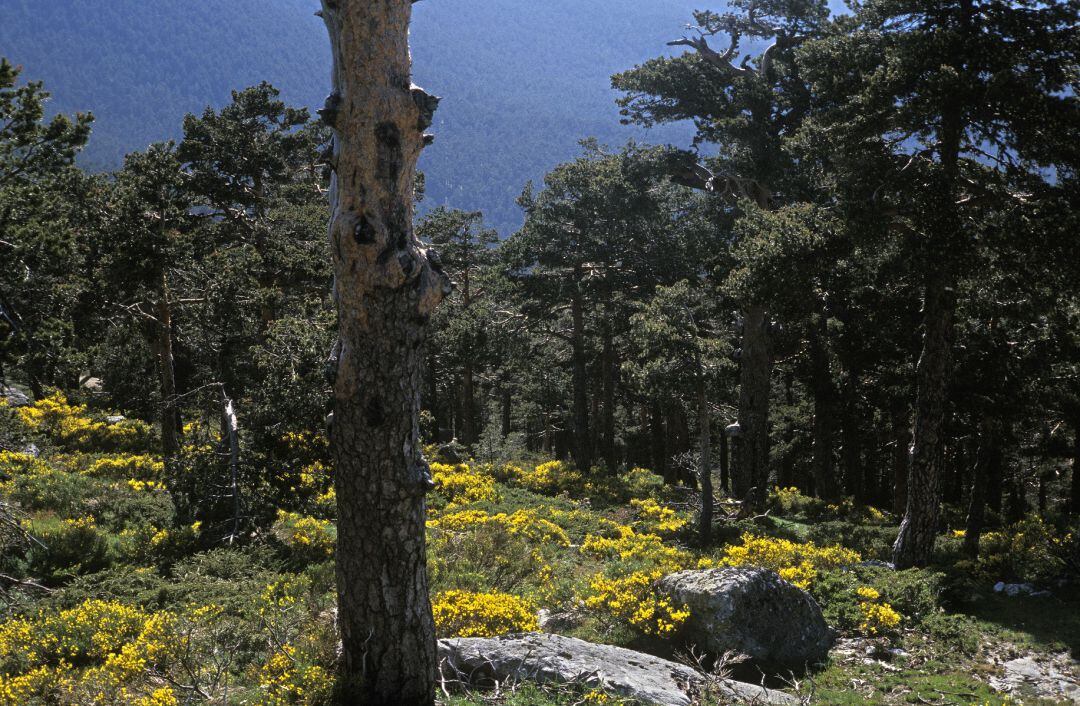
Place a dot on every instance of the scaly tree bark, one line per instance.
(386, 287)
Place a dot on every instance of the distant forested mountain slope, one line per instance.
(522, 81)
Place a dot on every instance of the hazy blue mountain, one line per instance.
(522, 81)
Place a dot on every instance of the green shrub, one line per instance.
(63, 493)
(125, 509)
(871, 541)
(68, 548)
(959, 632)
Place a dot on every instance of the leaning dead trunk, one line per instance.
(386, 287)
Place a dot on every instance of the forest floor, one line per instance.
(116, 597)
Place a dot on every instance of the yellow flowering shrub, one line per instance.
(288, 610)
(309, 538)
(461, 485)
(643, 548)
(550, 478)
(306, 443)
(14, 462)
(285, 680)
(1030, 550)
(654, 517)
(138, 466)
(96, 652)
(877, 618)
(796, 562)
(326, 503)
(468, 614)
(634, 600)
(152, 544)
(868, 593)
(105, 652)
(140, 486)
(72, 426)
(524, 523)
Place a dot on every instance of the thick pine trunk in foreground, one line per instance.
(386, 286)
(752, 472)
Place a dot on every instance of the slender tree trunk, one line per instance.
(851, 436)
(468, 405)
(433, 397)
(754, 387)
(824, 472)
(705, 466)
(1074, 505)
(725, 477)
(386, 287)
(507, 399)
(659, 442)
(787, 463)
(582, 447)
(608, 423)
(987, 464)
(918, 530)
(170, 415)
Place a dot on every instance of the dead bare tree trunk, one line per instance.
(386, 287)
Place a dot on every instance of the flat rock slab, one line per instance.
(1054, 677)
(546, 658)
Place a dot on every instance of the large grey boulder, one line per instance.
(751, 612)
(545, 658)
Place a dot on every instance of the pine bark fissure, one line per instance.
(385, 287)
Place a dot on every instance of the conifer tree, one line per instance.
(386, 288)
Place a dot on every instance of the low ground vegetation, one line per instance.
(110, 596)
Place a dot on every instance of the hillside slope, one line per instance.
(522, 82)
